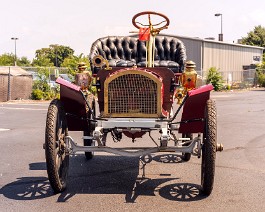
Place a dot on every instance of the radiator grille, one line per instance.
(132, 94)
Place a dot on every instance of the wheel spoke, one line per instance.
(57, 160)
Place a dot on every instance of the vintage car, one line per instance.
(138, 79)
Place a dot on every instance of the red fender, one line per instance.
(74, 103)
(194, 110)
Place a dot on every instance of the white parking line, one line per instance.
(3, 129)
(24, 103)
(221, 96)
(21, 108)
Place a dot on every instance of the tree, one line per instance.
(42, 61)
(55, 54)
(255, 37)
(260, 72)
(72, 61)
(7, 59)
(23, 61)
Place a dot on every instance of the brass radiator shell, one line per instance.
(133, 93)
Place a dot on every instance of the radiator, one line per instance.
(132, 93)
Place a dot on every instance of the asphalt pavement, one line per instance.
(115, 183)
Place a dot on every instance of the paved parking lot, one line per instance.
(114, 183)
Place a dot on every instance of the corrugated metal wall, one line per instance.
(228, 58)
(194, 52)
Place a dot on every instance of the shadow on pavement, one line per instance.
(105, 175)
(27, 188)
(183, 192)
(37, 166)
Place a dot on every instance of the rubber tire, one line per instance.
(209, 148)
(186, 156)
(89, 142)
(57, 160)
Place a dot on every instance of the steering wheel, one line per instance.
(138, 25)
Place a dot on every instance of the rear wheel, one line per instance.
(88, 142)
(209, 148)
(57, 159)
(89, 132)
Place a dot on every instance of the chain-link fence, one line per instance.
(240, 79)
(236, 79)
(54, 72)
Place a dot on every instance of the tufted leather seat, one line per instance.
(123, 51)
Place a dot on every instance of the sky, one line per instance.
(78, 23)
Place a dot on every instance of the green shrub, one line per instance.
(215, 78)
(260, 77)
(37, 94)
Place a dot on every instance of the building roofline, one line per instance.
(13, 70)
(212, 41)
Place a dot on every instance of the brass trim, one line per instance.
(138, 115)
(99, 61)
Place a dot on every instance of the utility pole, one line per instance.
(15, 39)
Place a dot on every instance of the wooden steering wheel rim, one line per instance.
(149, 13)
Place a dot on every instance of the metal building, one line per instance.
(234, 61)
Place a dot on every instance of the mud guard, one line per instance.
(192, 120)
(74, 105)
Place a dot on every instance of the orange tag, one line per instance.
(144, 34)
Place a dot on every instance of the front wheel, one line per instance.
(57, 159)
(209, 148)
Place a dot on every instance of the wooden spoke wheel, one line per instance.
(209, 148)
(57, 158)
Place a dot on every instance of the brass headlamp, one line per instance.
(83, 80)
(99, 61)
(83, 77)
(188, 80)
(189, 76)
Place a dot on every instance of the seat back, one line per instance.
(115, 49)
(127, 51)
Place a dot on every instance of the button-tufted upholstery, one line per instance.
(128, 51)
